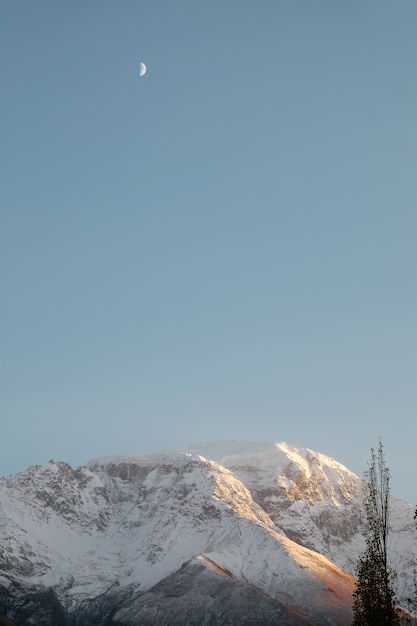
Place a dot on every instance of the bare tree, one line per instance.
(374, 602)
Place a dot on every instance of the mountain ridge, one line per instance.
(284, 521)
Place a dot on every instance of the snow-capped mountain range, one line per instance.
(220, 533)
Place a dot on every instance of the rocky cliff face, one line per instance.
(223, 533)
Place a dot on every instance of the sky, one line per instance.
(224, 248)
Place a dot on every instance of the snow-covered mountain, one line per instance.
(221, 533)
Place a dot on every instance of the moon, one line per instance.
(142, 69)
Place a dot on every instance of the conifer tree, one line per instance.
(374, 602)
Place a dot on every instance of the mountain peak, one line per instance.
(125, 531)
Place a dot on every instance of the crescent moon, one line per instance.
(142, 69)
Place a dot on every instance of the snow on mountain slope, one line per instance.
(202, 593)
(298, 474)
(312, 499)
(115, 529)
(315, 501)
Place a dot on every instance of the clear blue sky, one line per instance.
(224, 248)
